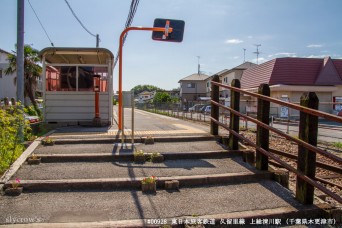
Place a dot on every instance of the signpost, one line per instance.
(164, 30)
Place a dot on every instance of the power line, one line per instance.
(73, 13)
(40, 23)
(131, 13)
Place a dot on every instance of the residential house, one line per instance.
(289, 78)
(173, 93)
(226, 77)
(193, 87)
(7, 86)
(145, 96)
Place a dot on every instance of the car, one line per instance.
(206, 109)
(31, 119)
(195, 108)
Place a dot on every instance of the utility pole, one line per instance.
(199, 66)
(20, 60)
(97, 40)
(257, 52)
(244, 54)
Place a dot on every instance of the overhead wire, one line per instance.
(72, 11)
(40, 23)
(132, 10)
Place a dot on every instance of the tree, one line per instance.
(32, 71)
(141, 88)
(162, 97)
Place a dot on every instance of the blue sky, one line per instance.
(215, 30)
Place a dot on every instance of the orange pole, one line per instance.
(97, 106)
(120, 62)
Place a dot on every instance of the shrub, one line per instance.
(29, 110)
(11, 146)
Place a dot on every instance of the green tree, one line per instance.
(141, 88)
(32, 72)
(162, 97)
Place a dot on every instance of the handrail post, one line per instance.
(215, 96)
(262, 137)
(233, 141)
(308, 130)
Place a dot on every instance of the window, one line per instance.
(65, 78)
(337, 103)
(191, 85)
(0, 73)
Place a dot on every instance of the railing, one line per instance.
(307, 141)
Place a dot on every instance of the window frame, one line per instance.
(108, 73)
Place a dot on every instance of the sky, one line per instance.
(215, 30)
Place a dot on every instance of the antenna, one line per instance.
(257, 52)
(199, 66)
(244, 54)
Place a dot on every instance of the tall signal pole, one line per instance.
(257, 52)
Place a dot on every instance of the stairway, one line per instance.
(88, 182)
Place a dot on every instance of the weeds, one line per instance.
(338, 145)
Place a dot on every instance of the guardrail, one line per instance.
(307, 141)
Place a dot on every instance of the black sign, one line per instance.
(177, 30)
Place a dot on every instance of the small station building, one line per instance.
(69, 85)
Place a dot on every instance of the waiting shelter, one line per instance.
(69, 85)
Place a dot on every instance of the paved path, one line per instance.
(145, 124)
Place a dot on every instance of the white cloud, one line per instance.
(315, 45)
(236, 57)
(249, 37)
(260, 60)
(234, 41)
(316, 56)
(287, 54)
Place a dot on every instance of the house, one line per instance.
(70, 78)
(175, 93)
(290, 77)
(7, 86)
(226, 77)
(192, 87)
(145, 96)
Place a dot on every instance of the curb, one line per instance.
(135, 183)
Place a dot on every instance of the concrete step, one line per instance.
(103, 184)
(118, 148)
(129, 169)
(93, 138)
(265, 199)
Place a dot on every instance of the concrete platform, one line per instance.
(232, 201)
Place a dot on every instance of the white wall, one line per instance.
(7, 86)
(75, 107)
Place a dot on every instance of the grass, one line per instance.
(338, 145)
